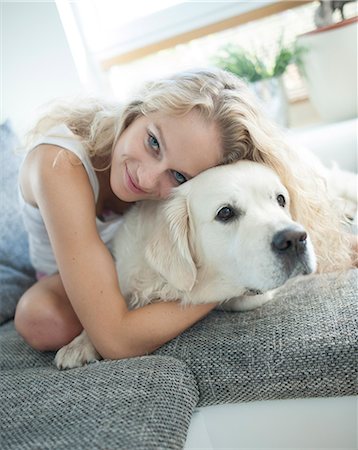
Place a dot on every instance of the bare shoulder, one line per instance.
(54, 180)
(40, 162)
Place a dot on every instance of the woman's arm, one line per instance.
(63, 193)
(143, 330)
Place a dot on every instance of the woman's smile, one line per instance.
(131, 184)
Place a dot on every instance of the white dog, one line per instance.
(224, 236)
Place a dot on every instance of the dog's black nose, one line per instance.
(291, 239)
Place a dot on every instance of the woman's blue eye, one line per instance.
(179, 178)
(153, 142)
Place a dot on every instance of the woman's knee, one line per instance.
(44, 322)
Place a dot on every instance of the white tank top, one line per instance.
(41, 253)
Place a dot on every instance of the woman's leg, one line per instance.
(44, 315)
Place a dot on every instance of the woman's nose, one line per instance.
(149, 178)
(155, 180)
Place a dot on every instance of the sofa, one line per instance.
(302, 347)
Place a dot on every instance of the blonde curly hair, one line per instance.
(245, 134)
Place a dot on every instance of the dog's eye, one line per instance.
(225, 214)
(281, 200)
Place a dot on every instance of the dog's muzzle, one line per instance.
(292, 240)
(290, 245)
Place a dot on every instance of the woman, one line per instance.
(94, 157)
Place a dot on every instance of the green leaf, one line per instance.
(251, 68)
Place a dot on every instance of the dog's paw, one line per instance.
(248, 302)
(77, 353)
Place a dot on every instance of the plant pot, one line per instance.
(330, 66)
(272, 96)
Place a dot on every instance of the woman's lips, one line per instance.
(131, 184)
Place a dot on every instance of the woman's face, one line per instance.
(158, 152)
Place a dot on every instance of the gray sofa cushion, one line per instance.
(303, 344)
(139, 403)
(16, 272)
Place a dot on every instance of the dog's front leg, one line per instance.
(247, 302)
(77, 353)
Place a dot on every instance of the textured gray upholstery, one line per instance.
(16, 272)
(304, 344)
(142, 403)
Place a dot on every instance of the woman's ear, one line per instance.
(168, 252)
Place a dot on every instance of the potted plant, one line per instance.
(264, 78)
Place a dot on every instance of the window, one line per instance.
(260, 37)
(119, 45)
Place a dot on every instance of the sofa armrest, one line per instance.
(336, 142)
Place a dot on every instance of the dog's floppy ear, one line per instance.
(169, 250)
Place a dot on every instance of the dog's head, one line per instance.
(233, 223)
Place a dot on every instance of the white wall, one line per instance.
(36, 64)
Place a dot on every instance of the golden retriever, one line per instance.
(225, 236)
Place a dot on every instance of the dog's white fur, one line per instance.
(180, 249)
